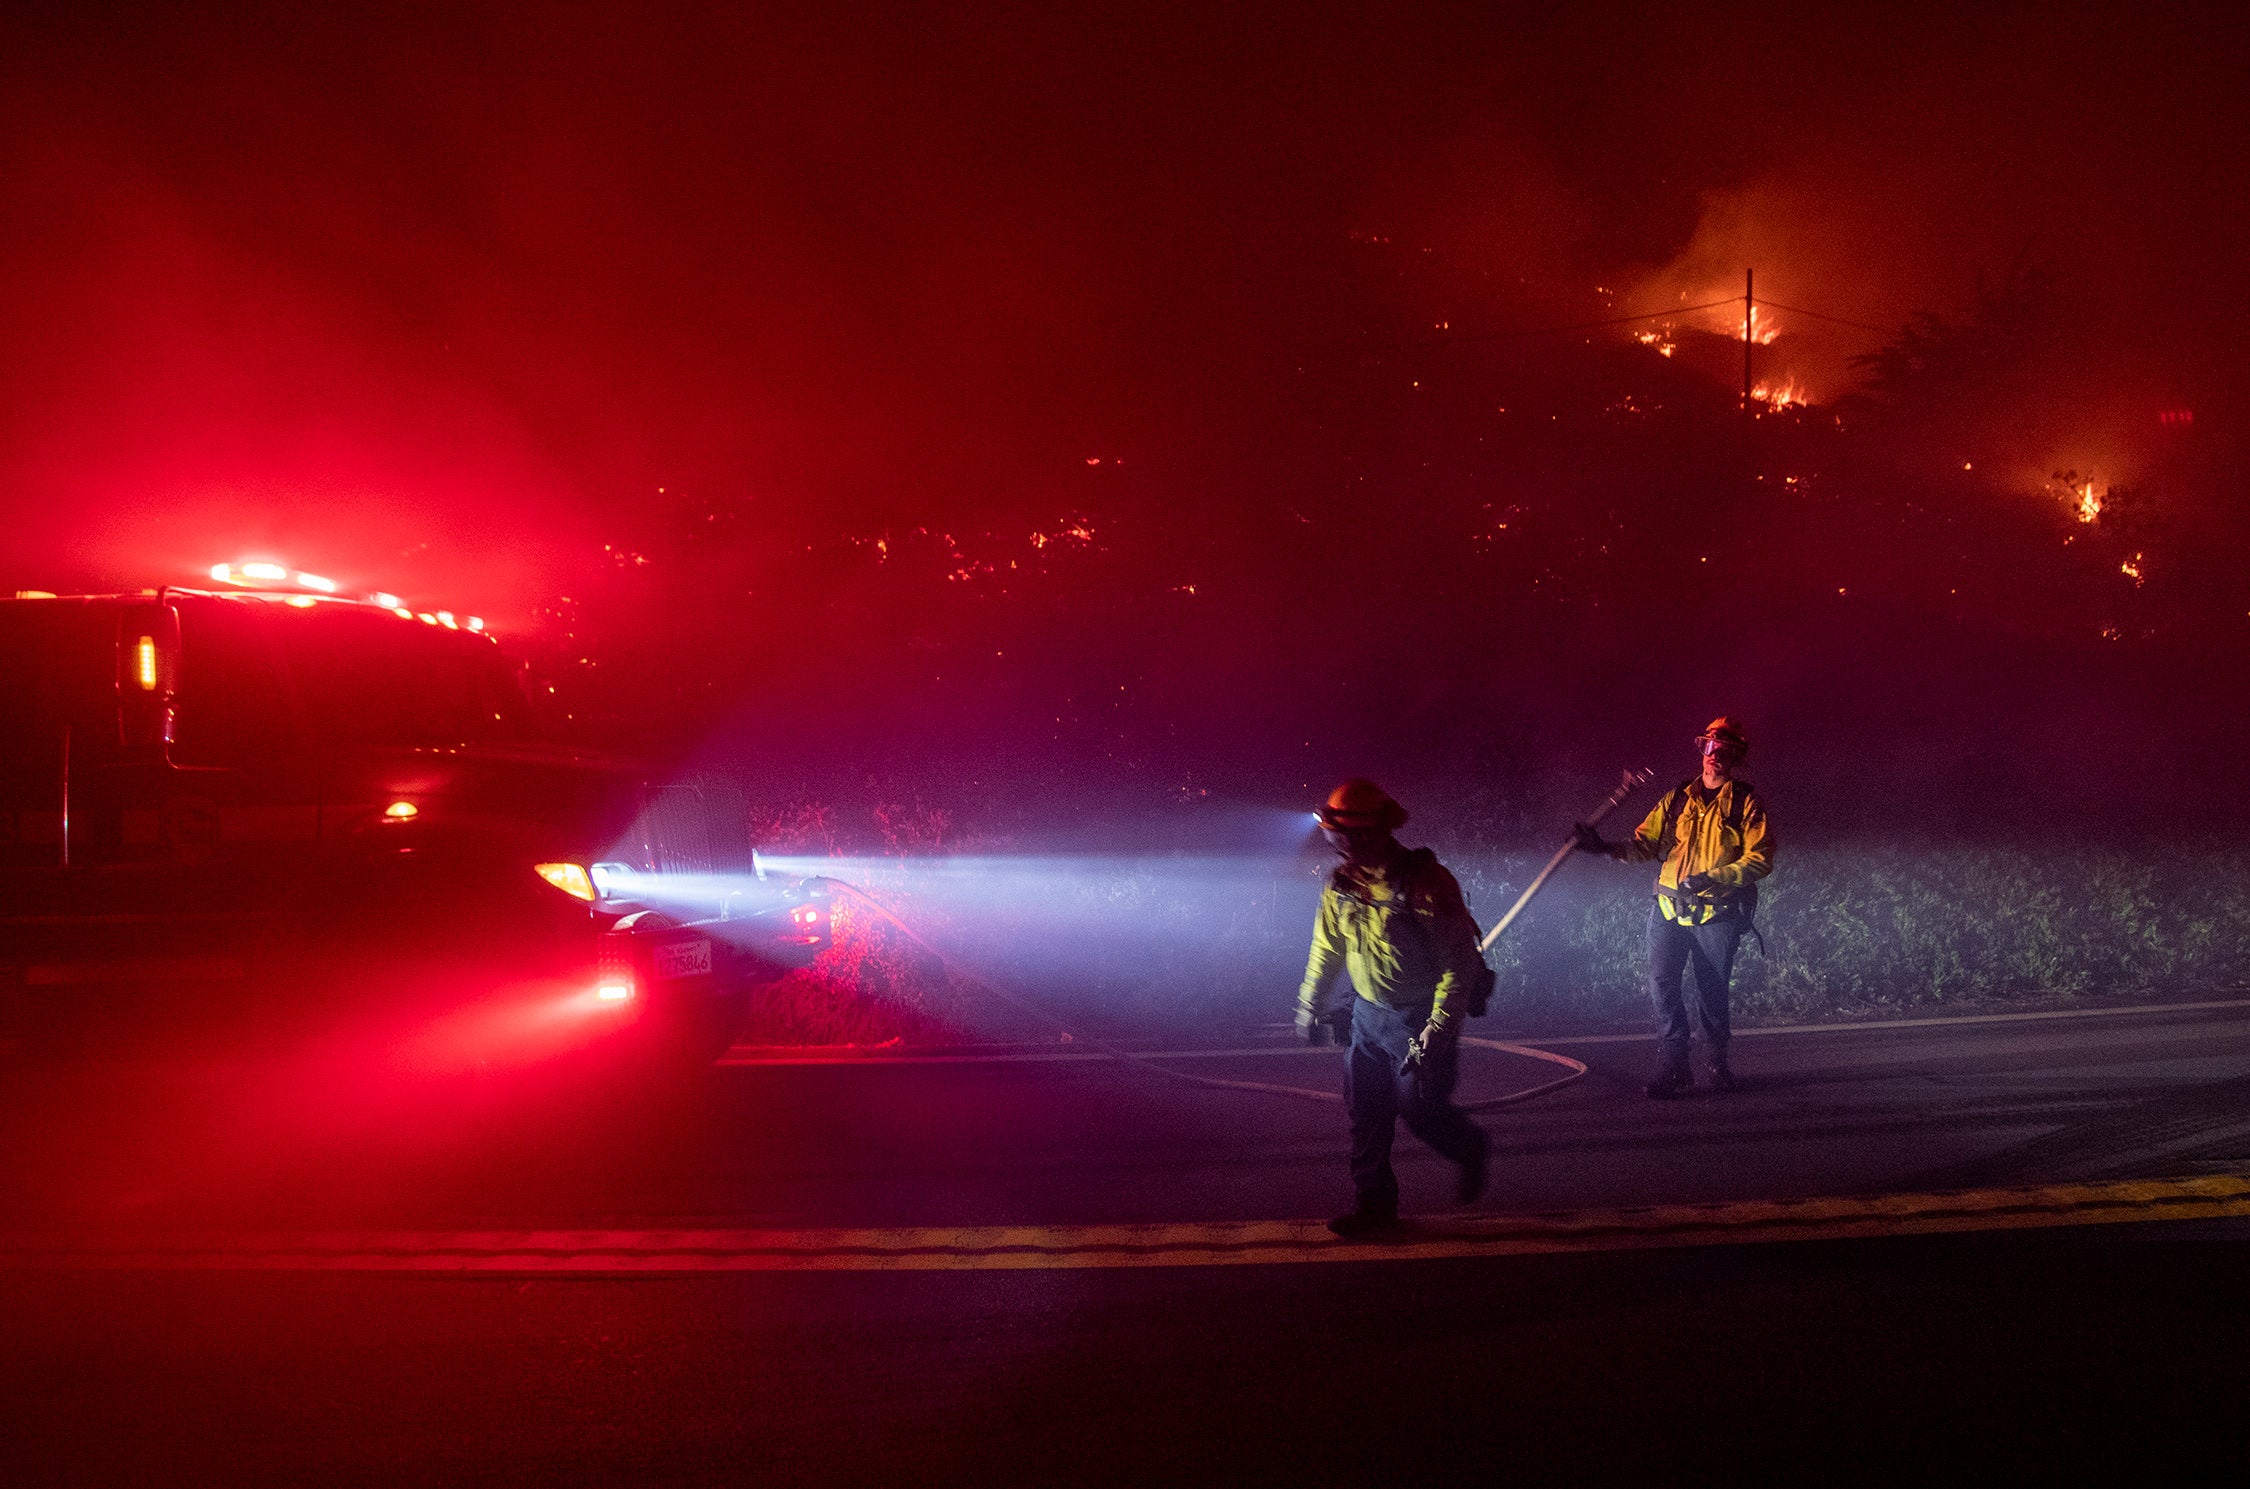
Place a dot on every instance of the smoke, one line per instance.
(1894, 180)
(773, 347)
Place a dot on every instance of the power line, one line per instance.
(1820, 316)
(1622, 320)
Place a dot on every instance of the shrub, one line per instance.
(1158, 946)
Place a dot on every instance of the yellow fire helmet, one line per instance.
(1359, 802)
(1726, 730)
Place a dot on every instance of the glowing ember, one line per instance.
(2131, 569)
(1661, 341)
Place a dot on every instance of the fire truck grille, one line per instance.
(692, 829)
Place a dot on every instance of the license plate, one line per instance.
(677, 959)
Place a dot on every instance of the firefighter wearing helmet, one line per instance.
(1392, 920)
(1712, 843)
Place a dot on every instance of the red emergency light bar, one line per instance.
(273, 578)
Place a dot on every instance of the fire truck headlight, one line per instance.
(571, 878)
(614, 992)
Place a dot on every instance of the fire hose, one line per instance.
(1574, 1069)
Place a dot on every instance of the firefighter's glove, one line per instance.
(1586, 840)
(1700, 884)
(1435, 1039)
(1309, 1029)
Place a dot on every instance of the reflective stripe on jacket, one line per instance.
(1704, 843)
(1403, 953)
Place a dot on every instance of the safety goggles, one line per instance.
(1710, 746)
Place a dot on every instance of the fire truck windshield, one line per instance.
(365, 677)
(253, 676)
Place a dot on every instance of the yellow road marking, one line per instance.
(1236, 1243)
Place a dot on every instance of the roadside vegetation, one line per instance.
(1853, 932)
(1168, 947)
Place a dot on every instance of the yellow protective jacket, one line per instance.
(1722, 833)
(1402, 950)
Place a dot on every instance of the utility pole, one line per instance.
(1749, 310)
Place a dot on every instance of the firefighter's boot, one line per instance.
(1672, 1076)
(1363, 1221)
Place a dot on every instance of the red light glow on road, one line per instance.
(519, 1027)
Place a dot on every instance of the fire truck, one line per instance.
(262, 804)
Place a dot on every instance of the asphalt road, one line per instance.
(1041, 1266)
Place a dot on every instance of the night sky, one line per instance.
(1022, 394)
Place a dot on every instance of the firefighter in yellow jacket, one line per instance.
(1393, 920)
(1712, 843)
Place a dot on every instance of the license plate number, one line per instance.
(683, 959)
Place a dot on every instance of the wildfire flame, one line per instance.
(1762, 327)
(2079, 494)
(1777, 397)
(1661, 341)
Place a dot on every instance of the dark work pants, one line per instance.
(1380, 1090)
(1673, 948)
